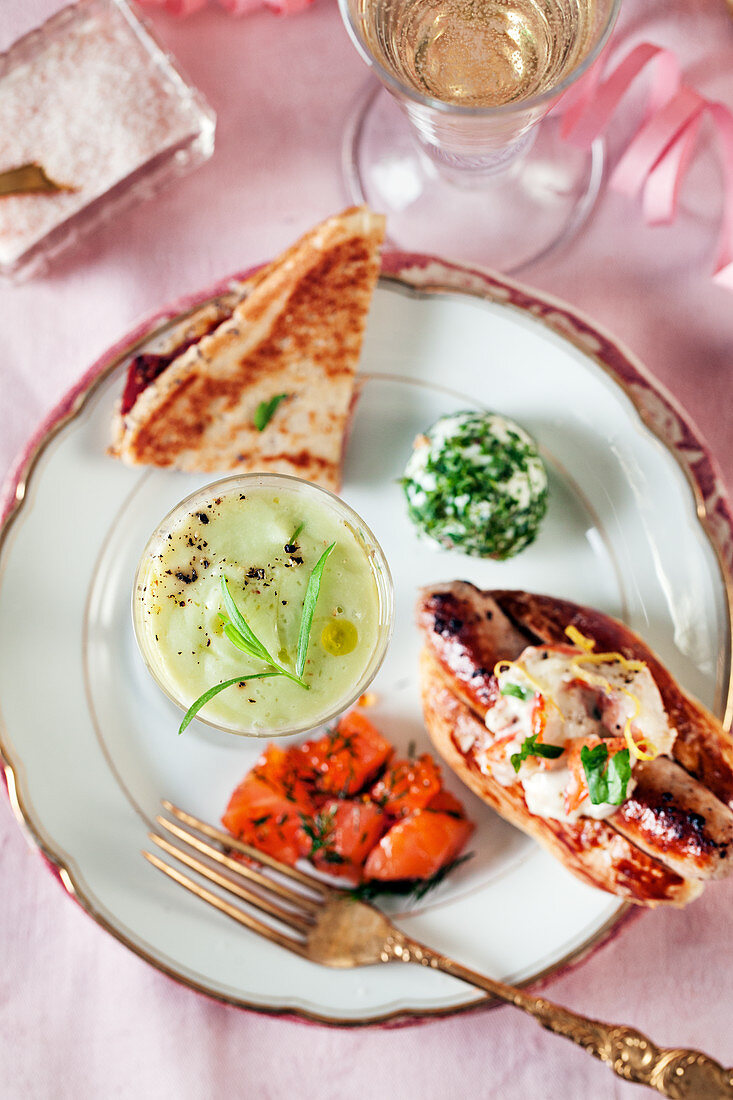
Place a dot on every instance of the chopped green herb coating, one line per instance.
(475, 482)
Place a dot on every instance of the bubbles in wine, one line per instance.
(479, 53)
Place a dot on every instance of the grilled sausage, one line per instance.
(673, 816)
(677, 813)
(591, 849)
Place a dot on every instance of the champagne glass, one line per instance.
(448, 145)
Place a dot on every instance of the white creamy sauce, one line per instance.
(568, 700)
(544, 792)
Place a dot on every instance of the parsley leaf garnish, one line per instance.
(607, 780)
(530, 747)
(266, 410)
(518, 692)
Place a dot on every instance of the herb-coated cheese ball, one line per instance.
(475, 482)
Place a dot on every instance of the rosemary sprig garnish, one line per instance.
(240, 634)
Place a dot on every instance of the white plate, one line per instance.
(637, 526)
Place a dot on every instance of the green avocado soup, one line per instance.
(265, 540)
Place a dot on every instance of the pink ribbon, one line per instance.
(656, 159)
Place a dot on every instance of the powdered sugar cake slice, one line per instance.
(298, 332)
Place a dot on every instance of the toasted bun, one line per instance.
(297, 332)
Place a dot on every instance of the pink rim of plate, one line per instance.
(659, 411)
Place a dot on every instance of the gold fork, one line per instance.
(329, 927)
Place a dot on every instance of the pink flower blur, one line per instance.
(176, 7)
(234, 7)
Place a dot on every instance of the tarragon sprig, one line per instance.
(309, 606)
(241, 635)
(204, 699)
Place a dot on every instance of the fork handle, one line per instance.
(678, 1073)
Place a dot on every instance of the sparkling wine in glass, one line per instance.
(453, 154)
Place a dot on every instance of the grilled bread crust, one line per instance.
(673, 821)
(298, 331)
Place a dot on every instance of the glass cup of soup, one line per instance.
(266, 543)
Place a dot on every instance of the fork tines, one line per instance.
(293, 907)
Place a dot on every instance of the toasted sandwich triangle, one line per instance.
(298, 332)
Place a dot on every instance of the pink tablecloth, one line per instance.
(79, 1015)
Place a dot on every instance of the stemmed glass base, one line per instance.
(505, 221)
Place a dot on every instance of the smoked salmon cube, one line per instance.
(264, 817)
(407, 785)
(282, 769)
(417, 847)
(346, 758)
(447, 802)
(343, 834)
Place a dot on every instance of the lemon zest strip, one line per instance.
(587, 644)
(504, 666)
(582, 641)
(595, 679)
(610, 658)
